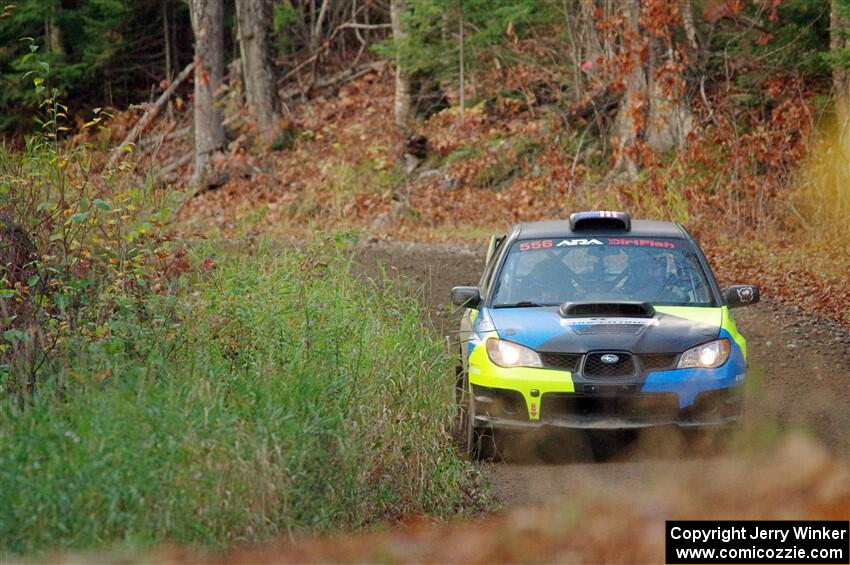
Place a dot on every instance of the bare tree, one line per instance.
(403, 89)
(254, 20)
(208, 27)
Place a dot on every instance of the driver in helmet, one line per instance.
(650, 280)
(550, 281)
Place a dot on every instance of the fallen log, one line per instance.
(149, 116)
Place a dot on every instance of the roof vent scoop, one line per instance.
(600, 220)
(600, 309)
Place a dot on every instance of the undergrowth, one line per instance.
(272, 392)
(821, 201)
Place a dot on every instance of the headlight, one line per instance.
(509, 354)
(706, 356)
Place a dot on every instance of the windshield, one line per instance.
(548, 272)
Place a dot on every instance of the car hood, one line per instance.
(670, 330)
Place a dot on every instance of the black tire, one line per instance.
(463, 430)
(488, 449)
(480, 442)
(460, 398)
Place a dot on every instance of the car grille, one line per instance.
(561, 361)
(657, 361)
(595, 367)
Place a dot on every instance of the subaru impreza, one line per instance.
(598, 322)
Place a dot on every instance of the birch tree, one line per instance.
(403, 94)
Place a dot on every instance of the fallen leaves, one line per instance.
(812, 276)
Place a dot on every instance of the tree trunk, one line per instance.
(461, 65)
(840, 76)
(208, 27)
(403, 97)
(575, 50)
(53, 35)
(690, 27)
(592, 47)
(630, 126)
(168, 48)
(654, 113)
(255, 45)
(166, 38)
(670, 115)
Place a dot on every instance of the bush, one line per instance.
(275, 392)
(78, 243)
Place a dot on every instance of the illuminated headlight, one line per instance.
(706, 356)
(509, 354)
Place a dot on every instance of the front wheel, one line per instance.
(478, 443)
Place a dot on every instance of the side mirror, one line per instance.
(466, 296)
(739, 295)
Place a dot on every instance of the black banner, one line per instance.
(753, 541)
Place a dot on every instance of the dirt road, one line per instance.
(799, 368)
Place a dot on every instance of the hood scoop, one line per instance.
(608, 317)
(605, 309)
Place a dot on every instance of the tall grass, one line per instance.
(276, 393)
(822, 197)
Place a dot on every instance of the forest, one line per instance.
(578, 103)
(187, 187)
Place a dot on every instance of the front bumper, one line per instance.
(530, 397)
(503, 409)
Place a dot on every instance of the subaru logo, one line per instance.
(609, 358)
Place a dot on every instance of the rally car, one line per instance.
(599, 322)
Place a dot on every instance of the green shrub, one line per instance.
(93, 242)
(276, 392)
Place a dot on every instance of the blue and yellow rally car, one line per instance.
(599, 322)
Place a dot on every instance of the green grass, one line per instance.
(285, 394)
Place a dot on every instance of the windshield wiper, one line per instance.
(522, 304)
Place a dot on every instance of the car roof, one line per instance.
(561, 228)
